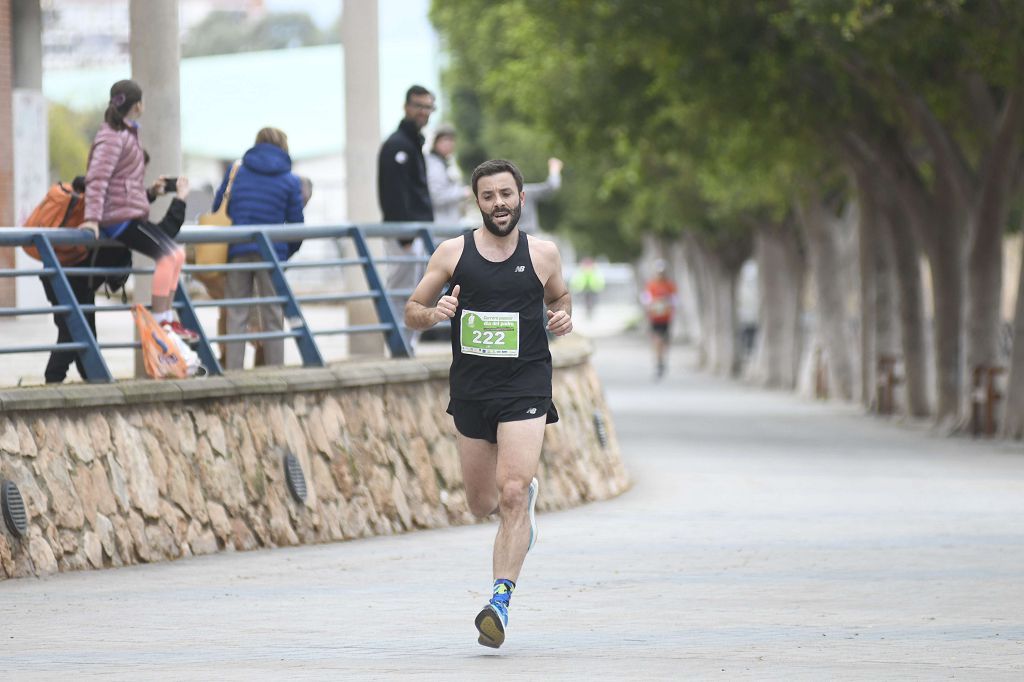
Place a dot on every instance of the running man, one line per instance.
(500, 379)
(660, 302)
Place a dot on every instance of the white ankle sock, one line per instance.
(165, 316)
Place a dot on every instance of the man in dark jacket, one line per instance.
(402, 187)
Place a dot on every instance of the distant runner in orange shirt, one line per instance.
(660, 302)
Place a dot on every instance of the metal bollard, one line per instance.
(985, 396)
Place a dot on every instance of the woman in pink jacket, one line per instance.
(116, 202)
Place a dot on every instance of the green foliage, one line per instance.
(679, 115)
(71, 135)
(223, 32)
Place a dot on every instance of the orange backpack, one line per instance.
(61, 207)
(160, 354)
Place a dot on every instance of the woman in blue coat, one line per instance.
(264, 192)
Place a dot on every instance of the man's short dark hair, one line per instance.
(416, 91)
(495, 166)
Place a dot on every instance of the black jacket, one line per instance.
(402, 177)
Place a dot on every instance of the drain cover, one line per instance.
(14, 508)
(599, 427)
(296, 479)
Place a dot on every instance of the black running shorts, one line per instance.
(480, 418)
(660, 329)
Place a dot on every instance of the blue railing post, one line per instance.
(190, 320)
(428, 240)
(385, 310)
(95, 366)
(292, 313)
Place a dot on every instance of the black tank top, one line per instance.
(486, 363)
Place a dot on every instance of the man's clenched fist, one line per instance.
(447, 305)
(559, 323)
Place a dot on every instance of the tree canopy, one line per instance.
(223, 32)
(684, 114)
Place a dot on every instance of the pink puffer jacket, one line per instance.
(115, 186)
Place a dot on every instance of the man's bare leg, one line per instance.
(479, 460)
(518, 452)
(660, 347)
(519, 446)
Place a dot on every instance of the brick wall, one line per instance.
(7, 297)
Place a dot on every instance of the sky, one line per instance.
(409, 49)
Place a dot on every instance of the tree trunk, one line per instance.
(712, 287)
(1013, 421)
(823, 251)
(886, 339)
(874, 298)
(985, 255)
(687, 326)
(897, 272)
(729, 360)
(936, 223)
(780, 275)
(984, 287)
(696, 259)
(906, 260)
(947, 284)
(715, 278)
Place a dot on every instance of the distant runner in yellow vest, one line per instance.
(588, 282)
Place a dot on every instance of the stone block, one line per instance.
(219, 520)
(147, 391)
(43, 559)
(93, 549)
(257, 383)
(33, 398)
(9, 440)
(310, 379)
(358, 374)
(91, 395)
(208, 387)
(402, 371)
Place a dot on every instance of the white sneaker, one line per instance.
(191, 358)
(532, 504)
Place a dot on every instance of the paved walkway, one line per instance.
(765, 538)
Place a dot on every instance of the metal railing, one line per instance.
(88, 348)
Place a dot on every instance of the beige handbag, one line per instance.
(216, 253)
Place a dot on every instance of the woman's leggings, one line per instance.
(149, 240)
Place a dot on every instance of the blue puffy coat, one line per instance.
(265, 192)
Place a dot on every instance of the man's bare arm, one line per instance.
(420, 313)
(556, 293)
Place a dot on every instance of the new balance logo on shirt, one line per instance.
(520, 268)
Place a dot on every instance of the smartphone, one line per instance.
(171, 184)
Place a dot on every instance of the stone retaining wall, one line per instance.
(144, 471)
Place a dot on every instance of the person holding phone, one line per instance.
(117, 203)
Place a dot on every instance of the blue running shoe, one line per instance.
(491, 622)
(534, 486)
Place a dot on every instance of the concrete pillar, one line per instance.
(7, 289)
(29, 114)
(156, 56)
(27, 20)
(359, 39)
